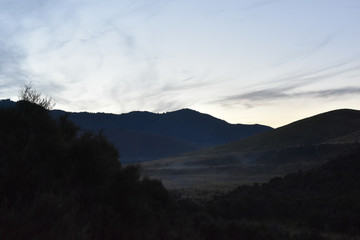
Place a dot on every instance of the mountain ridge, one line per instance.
(300, 145)
(200, 128)
(159, 135)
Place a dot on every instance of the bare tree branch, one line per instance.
(28, 93)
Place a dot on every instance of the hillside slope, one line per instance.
(313, 130)
(136, 147)
(300, 145)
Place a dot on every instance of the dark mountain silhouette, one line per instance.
(303, 144)
(161, 135)
(144, 136)
(186, 125)
(5, 103)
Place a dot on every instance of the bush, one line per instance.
(56, 184)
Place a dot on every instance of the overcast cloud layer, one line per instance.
(251, 61)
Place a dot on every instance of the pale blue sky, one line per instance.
(249, 61)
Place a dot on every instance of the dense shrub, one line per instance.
(55, 184)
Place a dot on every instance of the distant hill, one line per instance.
(145, 136)
(313, 130)
(303, 144)
(5, 103)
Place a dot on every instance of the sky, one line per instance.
(244, 61)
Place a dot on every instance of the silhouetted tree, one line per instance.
(28, 93)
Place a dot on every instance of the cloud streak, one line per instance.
(294, 86)
(329, 93)
(310, 50)
(11, 73)
(266, 96)
(259, 4)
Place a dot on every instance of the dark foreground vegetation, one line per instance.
(326, 199)
(57, 184)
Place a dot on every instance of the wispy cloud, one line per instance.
(328, 93)
(11, 73)
(305, 77)
(259, 4)
(17, 19)
(308, 50)
(61, 44)
(266, 96)
(296, 86)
